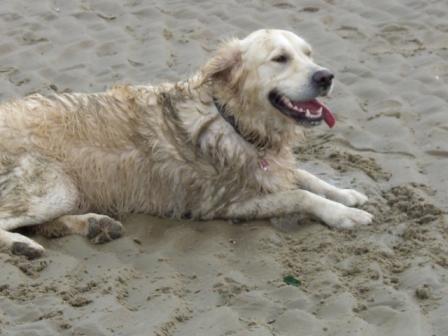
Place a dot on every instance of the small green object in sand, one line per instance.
(291, 280)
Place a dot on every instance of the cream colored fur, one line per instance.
(165, 150)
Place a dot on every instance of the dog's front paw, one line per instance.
(346, 218)
(349, 197)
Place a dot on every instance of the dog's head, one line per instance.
(274, 70)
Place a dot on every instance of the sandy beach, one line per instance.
(183, 278)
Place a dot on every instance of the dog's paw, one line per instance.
(347, 218)
(103, 229)
(26, 247)
(350, 197)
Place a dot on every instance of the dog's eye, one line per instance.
(280, 59)
(307, 52)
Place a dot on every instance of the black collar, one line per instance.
(231, 120)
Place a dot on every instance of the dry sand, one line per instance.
(218, 278)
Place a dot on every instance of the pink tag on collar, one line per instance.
(264, 164)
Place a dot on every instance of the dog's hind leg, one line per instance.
(97, 228)
(33, 190)
(18, 244)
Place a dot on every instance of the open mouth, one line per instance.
(307, 113)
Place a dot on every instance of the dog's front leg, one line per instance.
(299, 201)
(349, 197)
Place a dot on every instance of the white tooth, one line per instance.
(286, 101)
(308, 113)
(300, 109)
(319, 111)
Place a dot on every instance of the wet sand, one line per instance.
(173, 278)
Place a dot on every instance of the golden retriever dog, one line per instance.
(217, 145)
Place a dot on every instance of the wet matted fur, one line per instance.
(213, 146)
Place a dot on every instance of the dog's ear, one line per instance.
(224, 64)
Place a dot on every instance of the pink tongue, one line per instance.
(328, 116)
(314, 105)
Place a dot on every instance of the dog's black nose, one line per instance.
(323, 79)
